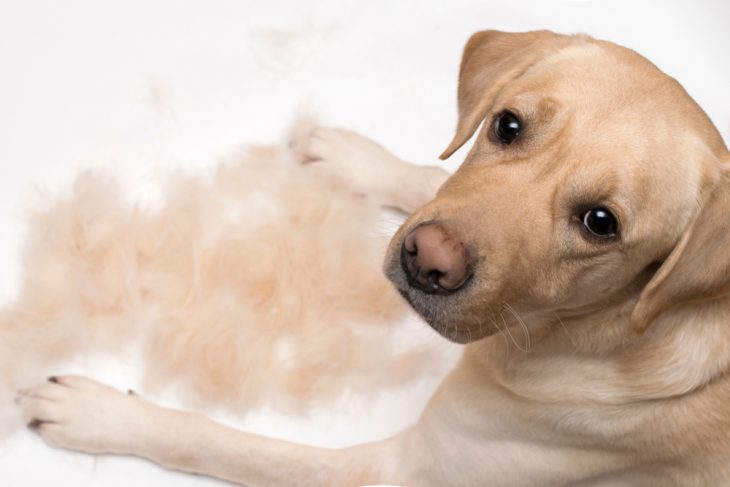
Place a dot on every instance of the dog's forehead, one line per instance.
(616, 124)
(598, 79)
(614, 102)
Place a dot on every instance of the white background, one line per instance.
(137, 86)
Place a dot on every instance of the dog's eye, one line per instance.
(600, 223)
(507, 127)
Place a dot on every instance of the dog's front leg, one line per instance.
(80, 414)
(360, 164)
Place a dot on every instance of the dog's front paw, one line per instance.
(348, 160)
(81, 414)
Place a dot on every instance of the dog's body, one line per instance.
(592, 205)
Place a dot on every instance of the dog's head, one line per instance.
(594, 179)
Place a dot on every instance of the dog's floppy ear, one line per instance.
(491, 59)
(698, 268)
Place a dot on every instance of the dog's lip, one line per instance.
(405, 292)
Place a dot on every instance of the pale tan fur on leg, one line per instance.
(349, 160)
(81, 414)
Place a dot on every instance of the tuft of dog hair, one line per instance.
(259, 284)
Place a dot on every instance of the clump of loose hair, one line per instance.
(257, 285)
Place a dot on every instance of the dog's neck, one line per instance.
(597, 358)
(591, 381)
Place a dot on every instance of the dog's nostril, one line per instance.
(413, 252)
(434, 278)
(410, 246)
(434, 261)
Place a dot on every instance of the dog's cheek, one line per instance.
(583, 285)
(550, 287)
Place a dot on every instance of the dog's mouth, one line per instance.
(440, 314)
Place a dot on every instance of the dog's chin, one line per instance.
(446, 322)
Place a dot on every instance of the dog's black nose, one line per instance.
(434, 261)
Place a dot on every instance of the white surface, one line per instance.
(138, 86)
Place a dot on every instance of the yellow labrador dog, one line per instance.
(593, 212)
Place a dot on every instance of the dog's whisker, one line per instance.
(523, 325)
(507, 329)
(500, 330)
(565, 329)
(496, 325)
(481, 328)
